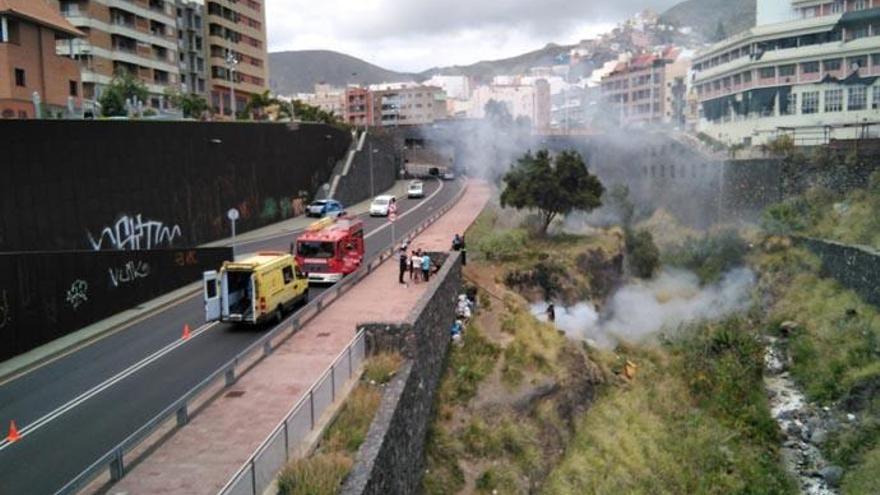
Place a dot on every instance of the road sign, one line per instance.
(232, 214)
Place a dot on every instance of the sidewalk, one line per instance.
(84, 336)
(202, 456)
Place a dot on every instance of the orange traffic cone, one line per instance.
(186, 332)
(14, 436)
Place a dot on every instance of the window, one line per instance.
(74, 90)
(20, 77)
(875, 58)
(287, 272)
(855, 63)
(786, 70)
(860, 5)
(875, 103)
(810, 102)
(857, 98)
(833, 100)
(810, 67)
(831, 65)
(12, 31)
(768, 72)
(747, 77)
(211, 290)
(837, 6)
(792, 105)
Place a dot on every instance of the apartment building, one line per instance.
(191, 47)
(328, 98)
(408, 104)
(237, 53)
(358, 106)
(814, 75)
(532, 101)
(647, 88)
(136, 36)
(29, 65)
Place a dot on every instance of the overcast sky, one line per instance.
(414, 35)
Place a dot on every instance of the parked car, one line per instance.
(382, 205)
(325, 207)
(416, 189)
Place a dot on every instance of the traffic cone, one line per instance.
(14, 436)
(186, 332)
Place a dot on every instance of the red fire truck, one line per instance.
(331, 249)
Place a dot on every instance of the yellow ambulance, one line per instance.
(258, 289)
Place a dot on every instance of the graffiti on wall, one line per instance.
(5, 314)
(78, 293)
(129, 272)
(131, 233)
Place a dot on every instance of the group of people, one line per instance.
(464, 310)
(417, 263)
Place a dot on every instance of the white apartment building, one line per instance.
(814, 76)
(532, 101)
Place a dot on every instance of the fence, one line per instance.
(259, 471)
(225, 376)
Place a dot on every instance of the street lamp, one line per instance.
(372, 187)
(231, 62)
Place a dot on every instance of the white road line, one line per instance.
(107, 384)
(122, 375)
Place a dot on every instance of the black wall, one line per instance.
(44, 296)
(66, 180)
(355, 187)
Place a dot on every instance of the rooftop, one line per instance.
(39, 12)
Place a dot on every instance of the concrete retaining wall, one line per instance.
(356, 185)
(855, 267)
(392, 459)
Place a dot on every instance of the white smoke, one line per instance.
(642, 310)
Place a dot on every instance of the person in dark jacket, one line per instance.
(551, 313)
(404, 263)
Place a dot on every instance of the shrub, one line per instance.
(349, 430)
(468, 365)
(505, 245)
(710, 256)
(642, 252)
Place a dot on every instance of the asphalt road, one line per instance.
(90, 400)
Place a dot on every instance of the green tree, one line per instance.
(258, 103)
(553, 187)
(309, 113)
(642, 253)
(620, 202)
(192, 105)
(498, 114)
(124, 86)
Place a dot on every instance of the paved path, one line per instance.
(203, 456)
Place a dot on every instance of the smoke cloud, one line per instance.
(642, 310)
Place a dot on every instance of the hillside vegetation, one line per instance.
(735, 16)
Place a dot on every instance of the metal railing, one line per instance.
(282, 444)
(227, 375)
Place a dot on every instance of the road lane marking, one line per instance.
(407, 212)
(122, 375)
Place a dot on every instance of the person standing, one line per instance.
(551, 313)
(404, 264)
(426, 267)
(415, 266)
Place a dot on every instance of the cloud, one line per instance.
(408, 35)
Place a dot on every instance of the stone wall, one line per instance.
(855, 267)
(355, 186)
(392, 459)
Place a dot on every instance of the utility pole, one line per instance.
(372, 188)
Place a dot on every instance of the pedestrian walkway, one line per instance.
(202, 456)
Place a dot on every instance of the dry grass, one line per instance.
(324, 472)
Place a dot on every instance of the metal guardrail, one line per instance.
(272, 455)
(114, 460)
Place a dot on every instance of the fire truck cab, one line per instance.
(331, 249)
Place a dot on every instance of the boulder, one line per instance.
(832, 475)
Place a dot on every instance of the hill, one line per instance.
(705, 16)
(298, 71)
(519, 64)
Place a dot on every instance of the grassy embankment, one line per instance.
(836, 349)
(522, 409)
(324, 471)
